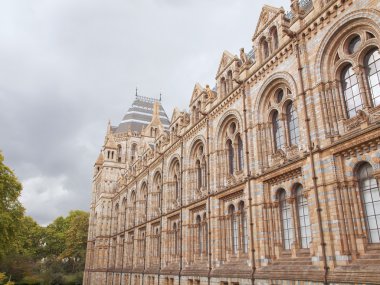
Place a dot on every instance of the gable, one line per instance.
(267, 15)
(198, 89)
(227, 58)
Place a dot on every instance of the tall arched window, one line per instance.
(292, 120)
(223, 85)
(204, 172)
(286, 220)
(265, 48)
(303, 218)
(234, 229)
(277, 131)
(116, 218)
(133, 152)
(372, 65)
(176, 186)
(274, 35)
(243, 227)
(119, 152)
(230, 150)
(370, 193)
(175, 230)
(205, 233)
(133, 208)
(199, 174)
(240, 153)
(229, 82)
(199, 235)
(350, 87)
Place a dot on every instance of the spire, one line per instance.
(136, 92)
(109, 129)
(160, 96)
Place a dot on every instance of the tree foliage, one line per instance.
(32, 254)
(11, 210)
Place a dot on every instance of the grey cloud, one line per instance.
(67, 66)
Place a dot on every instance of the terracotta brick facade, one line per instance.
(271, 178)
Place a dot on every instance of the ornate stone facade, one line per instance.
(273, 176)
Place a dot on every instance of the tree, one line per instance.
(76, 239)
(11, 210)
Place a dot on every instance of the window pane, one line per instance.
(372, 65)
(370, 194)
(292, 119)
(277, 131)
(351, 91)
(287, 222)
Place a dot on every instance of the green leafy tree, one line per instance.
(76, 239)
(11, 210)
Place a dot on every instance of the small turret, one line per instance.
(110, 146)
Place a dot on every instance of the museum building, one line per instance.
(271, 177)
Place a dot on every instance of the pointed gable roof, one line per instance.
(225, 61)
(198, 89)
(100, 159)
(267, 15)
(175, 115)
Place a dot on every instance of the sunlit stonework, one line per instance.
(271, 178)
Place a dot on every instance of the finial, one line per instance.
(136, 92)
(160, 96)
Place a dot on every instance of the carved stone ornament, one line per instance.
(292, 152)
(357, 121)
(279, 157)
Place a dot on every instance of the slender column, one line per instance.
(347, 209)
(342, 220)
(332, 108)
(338, 101)
(359, 70)
(355, 201)
(285, 130)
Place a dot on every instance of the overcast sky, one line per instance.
(68, 66)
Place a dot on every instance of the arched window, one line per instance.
(292, 120)
(265, 49)
(223, 85)
(205, 233)
(133, 209)
(176, 186)
(116, 218)
(199, 174)
(243, 229)
(303, 218)
(234, 229)
(157, 243)
(175, 238)
(200, 235)
(240, 153)
(133, 152)
(278, 134)
(350, 87)
(372, 65)
(229, 82)
(274, 35)
(230, 150)
(204, 172)
(286, 220)
(119, 153)
(370, 193)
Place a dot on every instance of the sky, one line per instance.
(69, 66)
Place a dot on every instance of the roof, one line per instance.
(140, 114)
